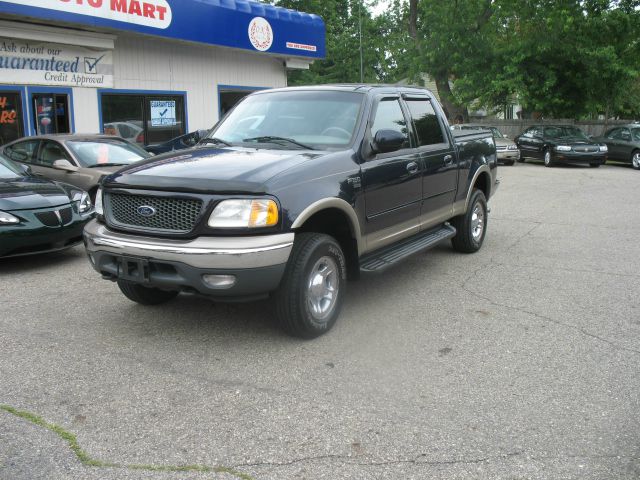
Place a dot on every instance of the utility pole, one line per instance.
(360, 33)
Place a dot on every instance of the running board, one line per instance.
(388, 256)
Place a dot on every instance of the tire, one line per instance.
(548, 158)
(145, 295)
(510, 164)
(310, 297)
(594, 165)
(468, 239)
(635, 159)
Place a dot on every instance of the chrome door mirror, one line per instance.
(65, 165)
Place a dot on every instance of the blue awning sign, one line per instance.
(242, 24)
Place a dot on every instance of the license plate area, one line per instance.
(133, 269)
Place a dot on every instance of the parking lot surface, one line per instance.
(518, 362)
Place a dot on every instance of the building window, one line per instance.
(11, 119)
(143, 119)
(50, 113)
(230, 96)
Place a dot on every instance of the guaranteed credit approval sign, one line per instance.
(148, 13)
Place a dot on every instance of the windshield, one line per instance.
(496, 133)
(565, 132)
(317, 119)
(8, 169)
(106, 152)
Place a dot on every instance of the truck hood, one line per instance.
(29, 193)
(210, 170)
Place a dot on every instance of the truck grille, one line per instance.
(175, 215)
(501, 148)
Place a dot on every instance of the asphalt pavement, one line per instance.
(519, 362)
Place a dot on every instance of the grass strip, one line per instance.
(85, 459)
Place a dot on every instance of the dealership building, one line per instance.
(147, 70)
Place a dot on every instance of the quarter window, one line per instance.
(425, 122)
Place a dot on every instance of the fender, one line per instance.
(460, 207)
(339, 204)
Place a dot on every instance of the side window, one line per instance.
(389, 116)
(613, 133)
(23, 151)
(425, 121)
(50, 152)
(625, 135)
(528, 133)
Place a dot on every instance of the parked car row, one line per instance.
(566, 144)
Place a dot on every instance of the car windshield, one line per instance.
(496, 133)
(635, 134)
(95, 153)
(8, 169)
(565, 132)
(293, 120)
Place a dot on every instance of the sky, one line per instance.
(382, 4)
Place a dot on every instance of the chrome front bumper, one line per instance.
(203, 252)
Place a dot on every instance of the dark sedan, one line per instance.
(560, 144)
(37, 215)
(623, 143)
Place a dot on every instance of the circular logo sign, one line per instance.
(146, 211)
(260, 34)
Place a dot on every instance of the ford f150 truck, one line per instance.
(295, 191)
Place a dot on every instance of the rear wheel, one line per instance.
(472, 226)
(310, 298)
(635, 159)
(145, 295)
(548, 159)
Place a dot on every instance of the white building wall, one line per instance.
(159, 65)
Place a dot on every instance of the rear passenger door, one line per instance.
(392, 181)
(440, 173)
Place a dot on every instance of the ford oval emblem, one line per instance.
(146, 211)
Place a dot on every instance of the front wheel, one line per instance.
(472, 226)
(548, 160)
(635, 159)
(312, 291)
(145, 295)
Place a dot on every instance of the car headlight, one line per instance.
(563, 148)
(245, 214)
(99, 208)
(85, 205)
(512, 147)
(8, 219)
(604, 148)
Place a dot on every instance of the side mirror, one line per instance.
(64, 165)
(26, 169)
(387, 141)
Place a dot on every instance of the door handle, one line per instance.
(448, 159)
(412, 168)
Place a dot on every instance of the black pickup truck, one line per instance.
(294, 192)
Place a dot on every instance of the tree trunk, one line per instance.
(452, 110)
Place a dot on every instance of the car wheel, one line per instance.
(145, 295)
(510, 163)
(548, 160)
(472, 226)
(594, 165)
(635, 159)
(310, 298)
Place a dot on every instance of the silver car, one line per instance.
(80, 160)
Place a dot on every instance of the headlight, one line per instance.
(512, 147)
(604, 148)
(244, 214)
(8, 219)
(85, 205)
(98, 206)
(563, 148)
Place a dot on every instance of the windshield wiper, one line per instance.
(278, 140)
(215, 141)
(98, 165)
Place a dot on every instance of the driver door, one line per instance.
(49, 152)
(392, 181)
